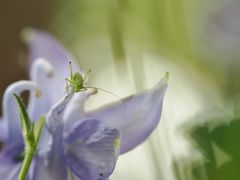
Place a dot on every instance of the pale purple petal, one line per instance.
(9, 171)
(76, 108)
(2, 130)
(12, 152)
(48, 170)
(135, 117)
(9, 165)
(55, 115)
(92, 150)
(10, 110)
(51, 162)
(43, 45)
(43, 143)
(41, 73)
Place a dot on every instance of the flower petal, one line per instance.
(10, 109)
(51, 162)
(2, 130)
(55, 115)
(9, 165)
(42, 74)
(76, 109)
(49, 170)
(43, 45)
(9, 171)
(92, 150)
(136, 116)
(13, 152)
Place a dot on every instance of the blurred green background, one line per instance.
(129, 45)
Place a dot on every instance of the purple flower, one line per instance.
(88, 151)
(77, 143)
(136, 117)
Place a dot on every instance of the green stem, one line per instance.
(30, 148)
(31, 133)
(30, 151)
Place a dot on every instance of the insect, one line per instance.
(79, 83)
(76, 80)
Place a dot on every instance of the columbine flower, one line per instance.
(78, 143)
(136, 117)
(89, 151)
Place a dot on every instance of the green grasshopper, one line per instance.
(77, 80)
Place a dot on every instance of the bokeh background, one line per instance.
(129, 45)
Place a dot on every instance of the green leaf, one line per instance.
(38, 129)
(31, 134)
(26, 124)
(226, 136)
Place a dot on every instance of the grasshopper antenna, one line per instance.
(116, 96)
(106, 91)
(103, 90)
(71, 72)
(71, 48)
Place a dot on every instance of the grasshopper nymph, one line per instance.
(77, 81)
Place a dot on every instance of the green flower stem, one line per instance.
(30, 151)
(30, 148)
(31, 133)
